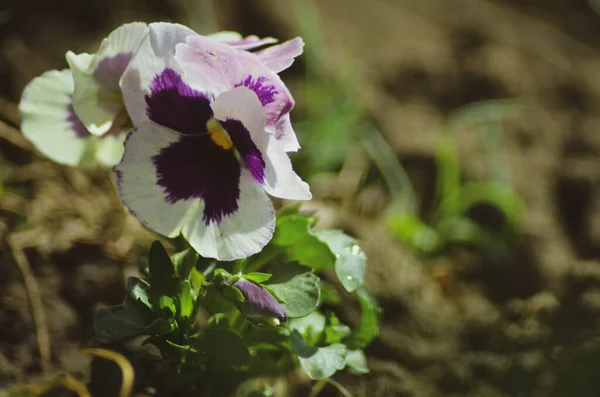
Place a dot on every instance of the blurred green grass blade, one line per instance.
(391, 169)
(448, 176)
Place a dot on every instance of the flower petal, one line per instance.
(281, 57)
(239, 235)
(174, 104)
(280, 180)
(216, 67)
(226, 36)
(251, 42)
(137, 181)
(97, 99)
(110, 148)
(236, 40)
(154, 55)
(49, 122)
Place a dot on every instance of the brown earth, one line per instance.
(455, 326)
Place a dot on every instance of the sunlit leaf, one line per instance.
(186, 300)
(296, 286)
(293, 233)
(368, 328)
(322, 362)
(350, 259)
(258, 277)
(139, 290)
(357, 362)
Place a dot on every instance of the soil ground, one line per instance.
(459, 325)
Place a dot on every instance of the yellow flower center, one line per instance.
(218, 134)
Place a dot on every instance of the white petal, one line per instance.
(225, 36)
(280, 179)
(155, 53)
(137, 181)
(285, 134)
(45, 122)
(239, 235)
(242, 104)
(97, 98)
(110, 148)
(124, 39)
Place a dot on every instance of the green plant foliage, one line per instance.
(357, 362)
(165, 305)
(130, 319)
(223, 347)
(294, 236)
(258, 277)
(296, 287)
(319, 362)
(350, 259)
(369, 323)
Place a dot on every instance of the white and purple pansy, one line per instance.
(77, 117)
(203, 155)
(97, 98)
(219, 67)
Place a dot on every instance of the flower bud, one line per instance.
(259, 304)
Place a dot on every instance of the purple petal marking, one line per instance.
(265, 92)
(110, 69)
(173, 104)
(258, 301)
(76, 125)
(248, 151)
(194, 167)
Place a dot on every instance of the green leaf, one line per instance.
(257, 277)
(267, 338)
(334, 331)
(130, 319)
(293, 233)
(160, 263)
(167, 303)
(213, 301)
(289, 210)
(297, 287)
(350, 262)
(357, 362)
(140, 290)
(310, 327)
(223, 347)
(329, 295)
(319, 363)
(411, 230)
(291, 228)
(184, 262)
(368, 328)
(164, 286)
(186, 300)
(312, 252)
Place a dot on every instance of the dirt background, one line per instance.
(455, 326)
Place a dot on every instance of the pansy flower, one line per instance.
(77, 117)
(205, 151)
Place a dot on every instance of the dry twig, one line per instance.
(35, 299)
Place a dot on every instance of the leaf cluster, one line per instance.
(308, 272)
